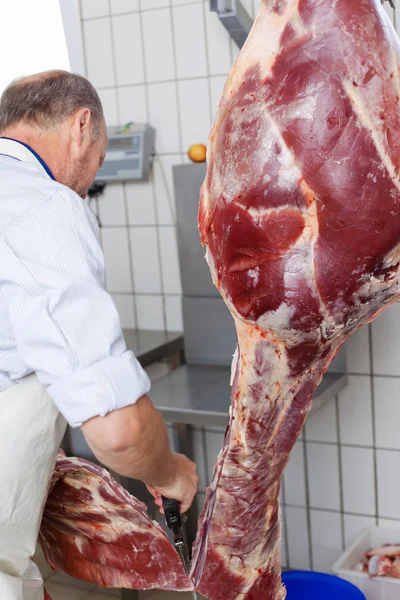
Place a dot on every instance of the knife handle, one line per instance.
(172, 513)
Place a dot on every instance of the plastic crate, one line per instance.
(377, 588)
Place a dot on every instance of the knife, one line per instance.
(174, 522)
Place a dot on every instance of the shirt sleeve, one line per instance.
(65, 324)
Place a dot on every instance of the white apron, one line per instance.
(31, 430)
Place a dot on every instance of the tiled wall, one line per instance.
(165, 61)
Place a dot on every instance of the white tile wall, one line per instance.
(164, 188)
(358, 352)
(195, 115)
(140, 204)
(167, 64)
(358, 474)
(355, 412)
(326, 537)
(158, 45)
(128, 49)
(284, 558)
(189, 35)
(124, 6)
(171, 277)
(99, 52)
(150, 312)
(199, 457)
(94, 8)
(387, 412)
(298, 538)
(354, 525)
(388, 466)
(132, 104)
(116, 251)
(294, 477)
(214, 442)
(145, 259)
(324, 489)
(163, 62)
(219, 55)
(217, 87)
(108, 99)
(389, 523)
(163, 115)
(321, 426)
(126, 310)
(151, 4)
(173, 310)
(385, 342)
(111, 206)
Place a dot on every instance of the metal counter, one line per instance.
(200, 395)
(152, 346)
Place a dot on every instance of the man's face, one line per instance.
(82, 170)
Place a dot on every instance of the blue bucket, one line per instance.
(305, 585)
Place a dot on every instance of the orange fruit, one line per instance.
(198, 153)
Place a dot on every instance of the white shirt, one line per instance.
(56, 319)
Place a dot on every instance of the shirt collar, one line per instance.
(23, 152)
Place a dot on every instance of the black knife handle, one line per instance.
(172, 513)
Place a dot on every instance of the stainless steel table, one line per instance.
(200, 394)
(152, 346)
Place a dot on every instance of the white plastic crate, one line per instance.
(378, 588)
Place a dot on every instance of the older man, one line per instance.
(62, 352)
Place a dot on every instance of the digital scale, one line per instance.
(129, 153)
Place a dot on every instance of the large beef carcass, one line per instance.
(300, 212)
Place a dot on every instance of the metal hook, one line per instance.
(391, 2)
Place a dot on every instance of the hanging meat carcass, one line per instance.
(300, 212)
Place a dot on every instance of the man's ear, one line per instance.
(81, 126)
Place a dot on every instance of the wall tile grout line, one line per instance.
(337, 512)
(131, 267)
(145, 226)
(375, 454)
(346, 445)
(85, 66)
(285, 539)
(175, 62)
(158, 82)
(208, 475)
(210, 103)
(132, 12)
(154, 294)
(340, 463)
(154, 192)
(308, 509)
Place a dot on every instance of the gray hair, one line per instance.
(47, 99)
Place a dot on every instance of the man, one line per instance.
(62, 352)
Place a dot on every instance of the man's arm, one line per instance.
(67, 330)
(133, 442)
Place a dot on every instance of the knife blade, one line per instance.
(174, 521)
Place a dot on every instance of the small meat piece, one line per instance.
(395, 570)
(94, 530)
(385, 549)
(379, 566)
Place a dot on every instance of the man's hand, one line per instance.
(133, 442)
(183, 485)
